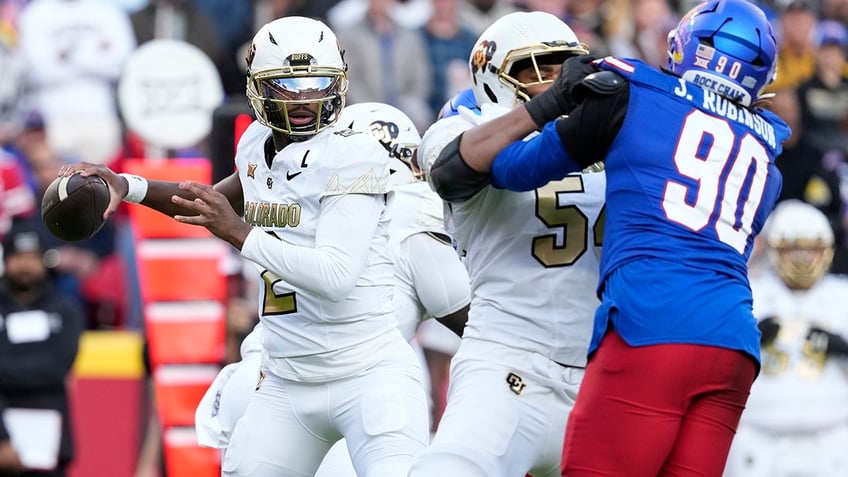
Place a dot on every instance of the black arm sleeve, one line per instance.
(590, 129)
(452, 177)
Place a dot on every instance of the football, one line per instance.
(72, 207)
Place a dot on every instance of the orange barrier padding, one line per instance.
(185, 332)
(184, 458)
(148, 223)
(182, 269)
(179, 389)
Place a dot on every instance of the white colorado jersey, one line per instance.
(415, 208)
(285, 200)
(420, 294)
(532, 258)
(795, 392)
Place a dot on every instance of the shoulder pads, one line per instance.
(602, 83)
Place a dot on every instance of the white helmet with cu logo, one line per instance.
(297, 76)
(512, 43)
(395, 131)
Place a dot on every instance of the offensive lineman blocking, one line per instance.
(533, 260)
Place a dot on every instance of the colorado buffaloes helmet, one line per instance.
(512, 43)
(800, 243)
(297, 76)
(726, 46)
(391, 126)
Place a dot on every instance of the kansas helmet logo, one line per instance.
(482, 55)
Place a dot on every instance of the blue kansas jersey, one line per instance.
(691, 179)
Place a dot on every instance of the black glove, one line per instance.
(557, 100)
(769, 328)
(825, 342)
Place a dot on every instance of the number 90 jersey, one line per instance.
(691, 179)
(532, 257)
(285, 200)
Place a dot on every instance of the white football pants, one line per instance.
(289, 426)
(505, 416)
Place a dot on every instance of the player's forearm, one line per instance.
(331, 267)
(528, 165)
(159, 195)
(482, 143)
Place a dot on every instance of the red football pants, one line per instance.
(661, 410)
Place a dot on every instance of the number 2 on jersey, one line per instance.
(275, 304)
(703, 150)
(568, 218)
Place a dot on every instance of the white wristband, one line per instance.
(137, 188)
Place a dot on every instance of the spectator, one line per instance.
(449, 44)
(38, 344)
(647, 37)
(11, 64)
(796, 60)
(11, 90)
(73, 53)
(479, 14)
(16, 198)
(823, 102)
(406, 13)
(388, 63)
(593, 21)
(824, 97)
(797, 164)
(835, 10)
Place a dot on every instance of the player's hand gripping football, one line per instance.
(118, 186)
(213, 211)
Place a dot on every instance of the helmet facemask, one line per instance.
(801, 264)
(534, 57)
(800, 243)
(283, 98)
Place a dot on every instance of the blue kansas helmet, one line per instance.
(726, 46)
(463, 98)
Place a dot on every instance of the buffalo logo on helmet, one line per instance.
(482, 55)
(385, 132)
